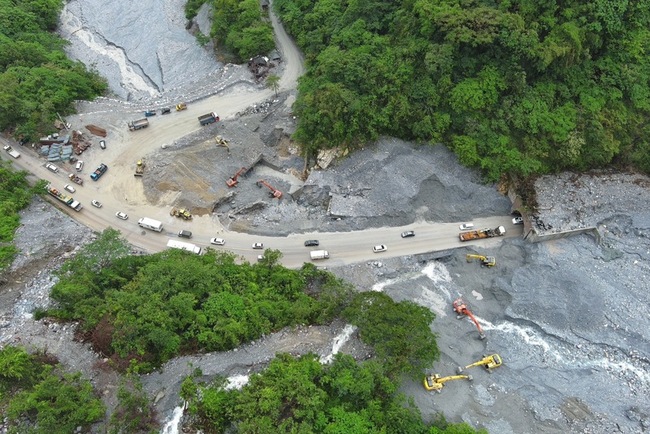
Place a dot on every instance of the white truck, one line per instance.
(182, 245)
(11, 151)
(319, 254)
(147, 223)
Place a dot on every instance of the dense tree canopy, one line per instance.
(150, 308)
(511, 87)
(37, 80)
(301, 395)
(37, 397)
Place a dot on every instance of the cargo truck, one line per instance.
(174, 244)
(147, 223)
(67, 200)
(319, 254)
(482, 233)
(99, 172)
(208, 118)
(139, 124)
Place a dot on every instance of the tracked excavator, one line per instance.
(274, 192)
(232, 181)
(490, 362)
(436, 382)
(488, 261)
(460, 307)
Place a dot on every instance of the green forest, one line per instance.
(512, 87)
(37, 80)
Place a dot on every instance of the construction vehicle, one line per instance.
(208, 118)
(490, 362)
(67, 200)
(76, 179)
(274, 192)
(482, 233)
(139, 167)
(232, 181)
(181, 212)
(460, 307)
(139, 124)
(99, 172)
(436, 382)
(181, 106)
(488, 261)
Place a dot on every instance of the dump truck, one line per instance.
(208, 118)
(139, 167)
(319, 254)
(67, 200)
(138, 124)
(99, 172)
(12, 152)
(147, 223)
(482, 233)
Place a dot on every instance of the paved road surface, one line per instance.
(119, 190)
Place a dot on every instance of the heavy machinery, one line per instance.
(490, 362)
(181, 212)
(436, 382)
(482, 233)
(138, 124)
(274, 192)
(139, 167)
(460, 307)
(488, 261)
(232, 181)
(181, 106)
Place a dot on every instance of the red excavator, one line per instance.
(460, 307)
(274, 192)
(232, 181)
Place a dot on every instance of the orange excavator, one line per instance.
(460, 307)
(274, 192)
(232, 181)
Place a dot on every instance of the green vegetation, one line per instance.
(37, 80)
(134, 412)
(398, 332)
(15, 194)
(238, 26)
(149, 309)
(511, 87)
(300, 395)
(38, 398)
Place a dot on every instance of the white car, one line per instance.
(69, 188)
(51, 167)
(466, 226)
(518, 221)
(380, 248)
(258, 246)
(102, 144)
(79, 166)
(96, 203)
(217, 241)
(122, 216)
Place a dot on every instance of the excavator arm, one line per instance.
(461, 309)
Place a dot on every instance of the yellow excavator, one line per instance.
(488, 261)
(490, 362)
(436, 382)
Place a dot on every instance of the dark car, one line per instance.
(165, 110)
(185, 234)
(311, 243)
(408, 234)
